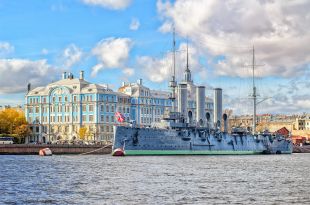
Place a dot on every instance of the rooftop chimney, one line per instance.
(70, 76)
(81, 75)
(64, 75)
(140, 81)
(29, 87)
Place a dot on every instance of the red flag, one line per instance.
(120, 117)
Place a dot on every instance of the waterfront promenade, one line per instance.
(33, 149)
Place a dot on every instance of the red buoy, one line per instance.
(118, 152)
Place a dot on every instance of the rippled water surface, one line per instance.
(103, 179)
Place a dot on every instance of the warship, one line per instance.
(180, 134)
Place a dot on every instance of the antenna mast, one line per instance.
(254, 93)
(187, 67)
(173, 83)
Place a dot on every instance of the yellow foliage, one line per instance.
(11, 121)
(22, 131)
(82, 133)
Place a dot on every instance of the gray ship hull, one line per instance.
(194, 141)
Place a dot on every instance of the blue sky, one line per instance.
(130, 39)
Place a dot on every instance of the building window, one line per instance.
(101, 108)
(107, 108)
(84, 108)
(74, 98)
(59, 99)
(91, 118)
(91, 108)
(101, 118)
(84, 118)
(66, 99)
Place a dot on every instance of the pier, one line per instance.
(33, 149)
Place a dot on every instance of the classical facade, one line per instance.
(60, 109)
(147, 106)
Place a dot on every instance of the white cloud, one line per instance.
(129, 71)
(71, 55)
(6, 48)
(160, 69)
(111, 53)
(278, 29)
(15, 74)
(134, 25)
(110, 4)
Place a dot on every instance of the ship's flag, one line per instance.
(120, 117)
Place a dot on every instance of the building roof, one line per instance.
(75, 86)
(283, 131)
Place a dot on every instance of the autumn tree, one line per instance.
(13, 122)
(22, 131)
(82, 133)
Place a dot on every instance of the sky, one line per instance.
(116, 41)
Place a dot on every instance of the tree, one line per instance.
(10, 119)
(82, 133)
(22, 131)
(13, 123)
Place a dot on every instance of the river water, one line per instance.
(103, 179)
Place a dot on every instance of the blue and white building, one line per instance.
(147, 106)
(58, 110)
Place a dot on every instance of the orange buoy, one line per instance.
(45, 152)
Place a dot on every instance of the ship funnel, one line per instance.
(217, 107)
(225, 122)
(200, 106)
(182, 99)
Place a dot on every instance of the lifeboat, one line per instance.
(118, 152)
(45, 152)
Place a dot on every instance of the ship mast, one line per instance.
(173, 83)
(254, 93)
